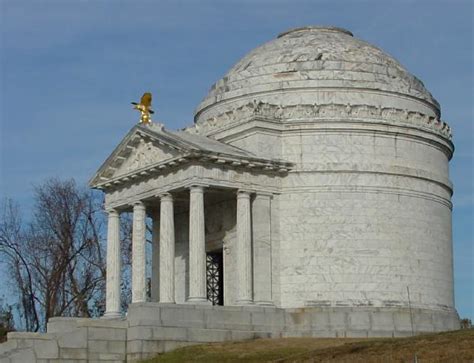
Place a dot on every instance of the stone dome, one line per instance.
(318, 65)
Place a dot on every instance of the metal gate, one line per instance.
(215, 278)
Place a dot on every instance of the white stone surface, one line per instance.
(197, 246)
(138, 253)
(355, 156)
(244, 249)
(112, 308)
(262, 249)
(167, 249)
(155, 257)
(317, 65)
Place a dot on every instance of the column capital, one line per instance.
(138, 204)
(263, 195)
(165, 197)
(197, 188)
(112, 212)
(244, 193)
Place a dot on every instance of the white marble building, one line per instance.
(317, 164)
(311, 197)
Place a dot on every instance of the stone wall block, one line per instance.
(179, 317)
(74, 339)
(382, 320)
(139, 333)
(297, 319)
(358, 320)
(7, 346)
(61, 325)
(116, 347)
(144, 322)
(107, 334)
(21, 356)
(273, 318)
(423, 321)
(208, 335)
(152, 346)
(72, 353)
(402, 321)
(169, 333)
(143, 312)
(338, 320)
(228, 319)
(134, 346)
(25, 343)
(106, 357)
(97, 346)
(46, 349)
(319, 320)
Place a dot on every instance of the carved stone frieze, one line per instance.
(324, 111)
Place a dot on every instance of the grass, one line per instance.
(457, 346)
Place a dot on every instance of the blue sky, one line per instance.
(69, 70)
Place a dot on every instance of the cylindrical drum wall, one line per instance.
(364, 215)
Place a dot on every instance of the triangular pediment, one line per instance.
(140, 149)
(143, 154)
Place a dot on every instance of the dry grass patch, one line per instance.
(455, 346)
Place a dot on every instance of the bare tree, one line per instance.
(57, 261)
(12, 246)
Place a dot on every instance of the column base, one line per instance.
(112, 315)
(138, 301)
(244, 302)
(166, 302)
(198, 301)
(264, 303)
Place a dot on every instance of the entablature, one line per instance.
(223, 176)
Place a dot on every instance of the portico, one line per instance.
(180, 193)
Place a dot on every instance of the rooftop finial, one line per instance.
(145, 108)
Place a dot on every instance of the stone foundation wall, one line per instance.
(153, 328)
(69, 340)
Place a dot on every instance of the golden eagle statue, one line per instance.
(144, 107)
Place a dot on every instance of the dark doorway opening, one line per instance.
(215, 277)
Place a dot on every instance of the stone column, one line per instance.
(262, 249)
(155, 257)
(138, 253)
(244, 249)
(112, 304)
(197, 247)
(166, 249)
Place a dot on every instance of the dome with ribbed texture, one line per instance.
(320, 65)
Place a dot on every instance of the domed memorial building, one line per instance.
(311, 197)
(315, 175)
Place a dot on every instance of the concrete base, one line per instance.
(152, 328)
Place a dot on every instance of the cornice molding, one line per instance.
(170, 165)
(323, 112)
